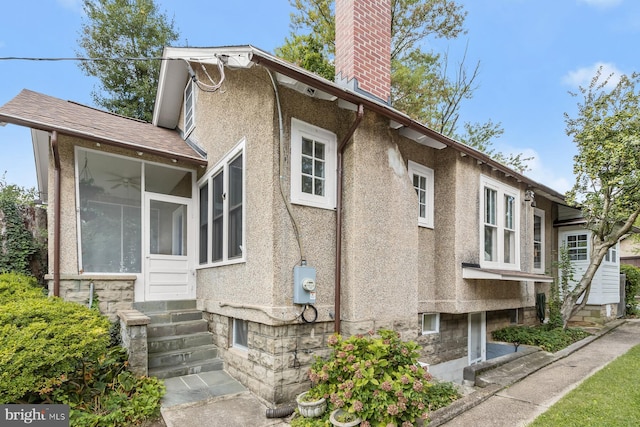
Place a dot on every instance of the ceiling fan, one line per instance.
(125, 182)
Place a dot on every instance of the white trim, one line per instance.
(541, 214)
(501, 190)
(414, 168)
(223, 166)
(189, 109)
(430, 330)
(300, 129)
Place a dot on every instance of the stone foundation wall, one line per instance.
(598, 314)
(113, 292)
(275, 365)
(449, 344)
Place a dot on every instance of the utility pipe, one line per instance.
(338, 262)
(56, 215)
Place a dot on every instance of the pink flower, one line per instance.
(413, 368)
(427, 376)
(417, 386)
(357, 406)
(365, 424)
(351, 358)
(349, 347)
(333, 340)
(404, 379)
(407, 424)
(392, 410)
(386, 386)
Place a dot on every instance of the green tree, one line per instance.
(606, 131)
(421, 83)
(115, 32)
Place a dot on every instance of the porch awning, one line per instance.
(478, 273)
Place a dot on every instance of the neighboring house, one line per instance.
(629, 252)
(289, 207)
(606, 297)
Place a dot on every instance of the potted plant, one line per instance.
(310, 405)
(341, 418)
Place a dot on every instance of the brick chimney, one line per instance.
(363, 46)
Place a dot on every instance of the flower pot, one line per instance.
(311, 409)
(335, 416)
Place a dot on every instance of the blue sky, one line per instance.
(531, 54)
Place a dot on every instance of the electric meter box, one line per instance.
(304, 285)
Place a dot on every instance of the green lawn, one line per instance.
(611, 397)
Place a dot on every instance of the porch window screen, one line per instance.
(110, 213)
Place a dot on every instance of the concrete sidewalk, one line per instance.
(513, 394)
(517, 392)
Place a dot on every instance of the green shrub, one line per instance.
(16, 287)
(632, 287)
(550, 339)
(377, 379)
(42, 339)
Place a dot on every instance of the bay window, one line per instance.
(499, 225)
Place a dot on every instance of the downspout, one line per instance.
(338, 262)
(56, 215)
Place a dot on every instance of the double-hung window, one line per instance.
(577, 246)
(222, 195)
(538, 241)
(189, 108)
(422, 179)
(313, 165)
(499, 225)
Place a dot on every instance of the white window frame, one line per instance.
(502, 190)
(612, 256)
(189, 119)
(587, 247)
(300, 129)
(416, 169)
(223, 166)
(540, 214)
(430, 326)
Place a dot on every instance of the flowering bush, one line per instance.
(378, 379)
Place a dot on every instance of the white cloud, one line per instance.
(74, 5)
(582, 76)
(546, 174)
(601, 3)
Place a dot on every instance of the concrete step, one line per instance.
(176, 342)
(186, 327)
(187, 368)
(186, 355)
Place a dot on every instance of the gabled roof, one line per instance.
(47, 113)
(174, 73)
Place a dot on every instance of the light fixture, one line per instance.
(530, 196)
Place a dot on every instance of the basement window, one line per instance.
(430, 323)
(240, 334)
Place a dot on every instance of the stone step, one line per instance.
(162, 306)
(186, 327)
(187, 355)
(176, 342)
(187, 368)
(175, 316)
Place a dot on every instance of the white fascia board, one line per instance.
(40, 141)
(421, 138)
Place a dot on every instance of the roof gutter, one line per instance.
(308, 78)
(338, 262)
(56, 216)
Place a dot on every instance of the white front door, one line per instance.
(477, 337)
(169, 252)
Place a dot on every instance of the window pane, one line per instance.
(509, 247)
(490, 206)
(319, 169)
(168, 228)
(537, 228)
(319, 187)
(509, 212)
(235, 208)
(307, 147)
(218, 217)
(319, 150)
(307, 165)
(110, 213)
(537, 255)
(240, 333)
(164, 180)
(307, 184)
(204, 223)
(490, 243)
